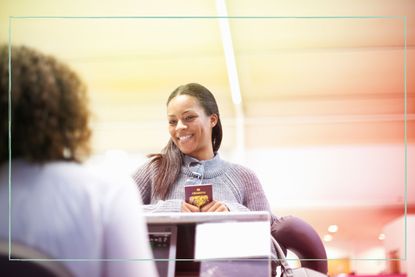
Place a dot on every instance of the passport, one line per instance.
(198, 195)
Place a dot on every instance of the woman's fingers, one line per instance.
(215, 206)
(207, 207)
(189, 208)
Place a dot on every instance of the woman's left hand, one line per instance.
(214, 206)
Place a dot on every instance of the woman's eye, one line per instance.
(190, 117)
(172, 122)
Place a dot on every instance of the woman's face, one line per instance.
(190, 128)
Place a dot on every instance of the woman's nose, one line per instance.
(180, 125)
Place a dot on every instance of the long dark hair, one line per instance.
(169, 161)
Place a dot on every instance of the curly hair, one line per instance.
(49, 112)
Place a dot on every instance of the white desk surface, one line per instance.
(174, 218)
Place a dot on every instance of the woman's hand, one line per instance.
(215, 206)
(189, 208)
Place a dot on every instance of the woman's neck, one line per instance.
(207, 155)
(203, 157)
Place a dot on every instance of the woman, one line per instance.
(56, 205)
(195, 137)
(192, 152)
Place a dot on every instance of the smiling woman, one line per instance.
(195, 137)
(190, 128)
(191, 162)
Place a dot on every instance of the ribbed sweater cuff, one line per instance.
(173, 205)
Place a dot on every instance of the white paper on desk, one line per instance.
(232, 240)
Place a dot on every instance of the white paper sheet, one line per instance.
(232, 240)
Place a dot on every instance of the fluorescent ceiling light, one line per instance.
(229, 53)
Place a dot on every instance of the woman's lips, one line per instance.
(184, 138)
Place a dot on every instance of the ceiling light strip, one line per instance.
(233, 78)
(229, 53)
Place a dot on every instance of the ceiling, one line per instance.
(322, 85)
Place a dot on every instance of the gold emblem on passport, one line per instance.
(198, 195)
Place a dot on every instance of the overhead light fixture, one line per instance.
(381, 236)
(328, 238)
(333, 228)
(233, 78)
(229, 53)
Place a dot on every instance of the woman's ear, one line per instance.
(213, 120)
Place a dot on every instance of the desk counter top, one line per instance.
(174, 218)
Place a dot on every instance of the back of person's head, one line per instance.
(48, 108)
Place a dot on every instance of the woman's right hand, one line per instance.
(189, 208)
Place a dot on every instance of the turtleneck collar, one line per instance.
(211, 168)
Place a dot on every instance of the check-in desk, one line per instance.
(211, 244)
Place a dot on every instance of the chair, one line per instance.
(28, 268)
(298, 236)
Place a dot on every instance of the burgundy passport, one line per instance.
(198, 195)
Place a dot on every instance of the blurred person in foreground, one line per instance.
(57, 206)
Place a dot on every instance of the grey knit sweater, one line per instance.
(234, 185)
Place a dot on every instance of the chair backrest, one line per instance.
(17, 267)
(299, 237)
